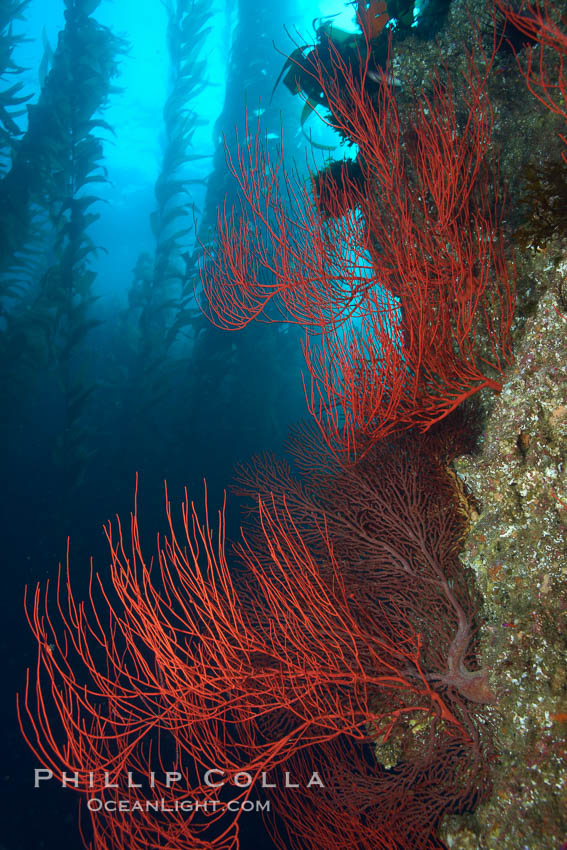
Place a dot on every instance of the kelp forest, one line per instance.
(284, 424)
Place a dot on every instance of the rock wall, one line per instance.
(517, 547)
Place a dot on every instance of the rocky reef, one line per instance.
(517, 547)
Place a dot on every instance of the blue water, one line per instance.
(196, 409)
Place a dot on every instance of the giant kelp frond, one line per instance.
(84, 63)
(77, 89)
(162, 297)
(12, 97)
(51, 181)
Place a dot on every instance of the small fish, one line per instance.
(377, 78)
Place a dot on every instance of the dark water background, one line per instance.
(181, 413)
(216, 401)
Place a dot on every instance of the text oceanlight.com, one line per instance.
(94, 784)
(96, 804)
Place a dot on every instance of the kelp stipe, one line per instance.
(76, 90)
(154, 360)
(55, 167)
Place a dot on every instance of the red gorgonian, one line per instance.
(347, 626)
(395, 266)
(543, 62)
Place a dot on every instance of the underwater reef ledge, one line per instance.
(517, 547)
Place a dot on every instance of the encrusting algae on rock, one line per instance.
(517, 547)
